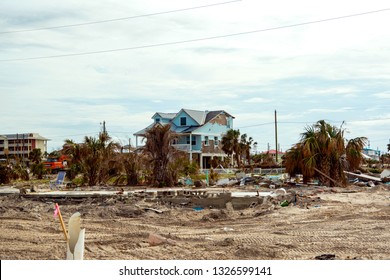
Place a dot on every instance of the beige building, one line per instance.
(20, 145)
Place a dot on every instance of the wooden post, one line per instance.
(62, 222)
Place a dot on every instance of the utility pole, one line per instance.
(104, 127)
(276, 138)
(17, 146)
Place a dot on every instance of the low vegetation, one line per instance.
(322, 153)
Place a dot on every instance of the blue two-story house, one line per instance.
(199, 132)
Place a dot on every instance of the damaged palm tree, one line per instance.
(161, 153)
(231, 144)
(323, 153)
(95, 158)
(132, 164)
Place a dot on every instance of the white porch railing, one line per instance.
(182, 147)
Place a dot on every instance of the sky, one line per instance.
(67, 66)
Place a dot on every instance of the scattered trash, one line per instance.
(385, 174)
(189, 182)
(222, 182)
(354, 181)
(280, 191)
(154, 210)
(370, 184)
(364, 177)
(284, 203)
(326, 257)
(198, 208)
(253, 205)
(246, 181)
(227, 229)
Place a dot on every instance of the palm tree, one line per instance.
(230, 144)
(159, 149)
(91, 159)
(35, 156)
(294, 162)
(246, 146)
(132, 164)
(95, 158)
(72, 151)
(354, 152)
(320, 154)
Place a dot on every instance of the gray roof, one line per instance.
(143, 131)
(198, 116)
(169, 116)
(201, 117)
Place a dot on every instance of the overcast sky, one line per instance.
(162, 61)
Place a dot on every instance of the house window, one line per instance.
(183, 121)
(206, 140)
(216, 142)
(193, 141)
(158, 120)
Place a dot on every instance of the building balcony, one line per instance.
(182, 147)
(185, 148)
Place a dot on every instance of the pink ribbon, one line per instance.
(56, 210)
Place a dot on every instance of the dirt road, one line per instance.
(352, 223)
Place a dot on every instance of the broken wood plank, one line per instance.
(363, 176)
(334, 181)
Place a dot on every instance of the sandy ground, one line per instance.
(351, 223)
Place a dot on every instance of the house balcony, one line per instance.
(185, 148)
(182, 147)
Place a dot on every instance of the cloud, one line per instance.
(257, 100)
(322, 110)
(318, 71)
(382, 95)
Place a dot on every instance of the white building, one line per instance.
(20, 145)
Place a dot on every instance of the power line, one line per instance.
(193, 40)
(116, 19)
(313, 122)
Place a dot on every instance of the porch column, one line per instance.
(190, 147)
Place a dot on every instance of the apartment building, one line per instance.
(20, 145)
